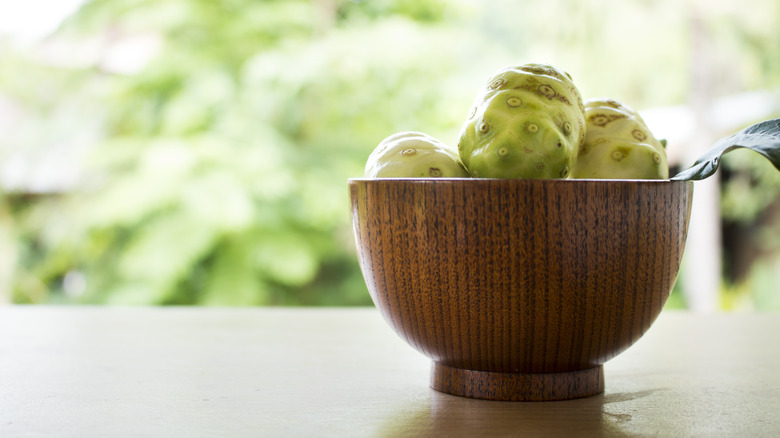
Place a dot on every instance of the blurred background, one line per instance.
(196, 152)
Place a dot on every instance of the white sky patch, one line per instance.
(29, 20)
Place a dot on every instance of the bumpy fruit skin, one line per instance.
(411, 154)
(526, 122)
(618, 145)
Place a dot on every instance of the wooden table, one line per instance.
(274, 372)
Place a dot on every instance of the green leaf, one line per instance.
(763, 138)
(218, 199)
(232, 279)
(286, 257)
(163, 251)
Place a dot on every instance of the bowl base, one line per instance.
(517, 386)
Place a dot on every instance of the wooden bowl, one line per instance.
(520, 289)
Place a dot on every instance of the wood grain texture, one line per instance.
(520, 276)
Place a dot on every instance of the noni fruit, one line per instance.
(526, 122)
(618, 145)
(412, 154)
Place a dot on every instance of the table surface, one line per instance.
(276, 372)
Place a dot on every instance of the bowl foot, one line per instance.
(517, 386)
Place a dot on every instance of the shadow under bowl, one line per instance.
(519, 289)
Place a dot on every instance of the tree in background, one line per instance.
(219, 174)
(214, 166)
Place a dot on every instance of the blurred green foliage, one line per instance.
(217, 172)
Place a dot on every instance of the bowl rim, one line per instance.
(469, 180)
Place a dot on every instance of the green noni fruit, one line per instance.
(526, 122)
(413, 154)
(618, 145)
